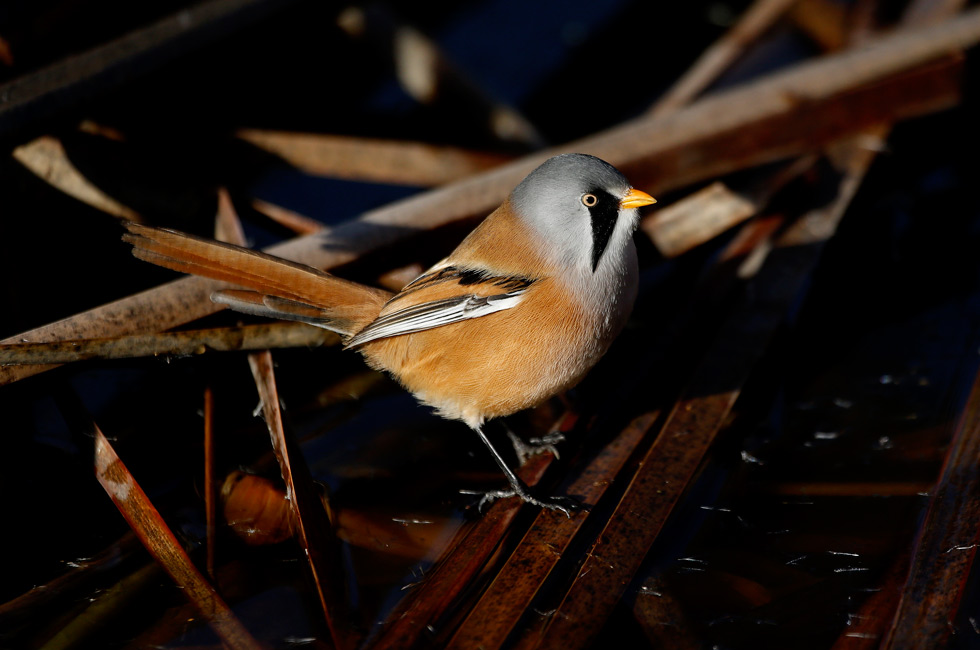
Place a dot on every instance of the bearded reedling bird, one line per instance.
(519, 312)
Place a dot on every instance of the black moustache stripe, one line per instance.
(604, 214)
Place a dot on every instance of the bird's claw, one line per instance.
(567, 505)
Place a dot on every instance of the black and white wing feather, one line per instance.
(436, 313)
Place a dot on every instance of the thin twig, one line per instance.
(185, 343)
(312, 527)
(42, 93)
(756, 20)
(210, 489)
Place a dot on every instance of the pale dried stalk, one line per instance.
(372, 160)
(46, 158)
(298, 223)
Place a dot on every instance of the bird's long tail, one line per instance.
(280, 288)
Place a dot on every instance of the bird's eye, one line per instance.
(588, 200)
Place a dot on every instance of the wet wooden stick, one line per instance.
(748, 125)
(946, 545)
(865, 630)
(150, 527)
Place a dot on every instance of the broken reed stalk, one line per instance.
(185, 343)
(257, 510)
(871, 625)
(311, 525)
(158, 539)
(46, 158)
(689, 222)
(227, 225)
(753, 123)
(373, 160)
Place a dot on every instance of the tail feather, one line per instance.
(342, 300)
(258, 304)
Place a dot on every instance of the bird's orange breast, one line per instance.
(497, 364)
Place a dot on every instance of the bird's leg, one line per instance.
(525, 450)
(517, 487)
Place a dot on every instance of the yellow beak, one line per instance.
(635, 199)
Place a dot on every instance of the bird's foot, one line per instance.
(533, 446)
(566, 505)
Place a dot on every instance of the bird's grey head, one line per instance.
(576, 203)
